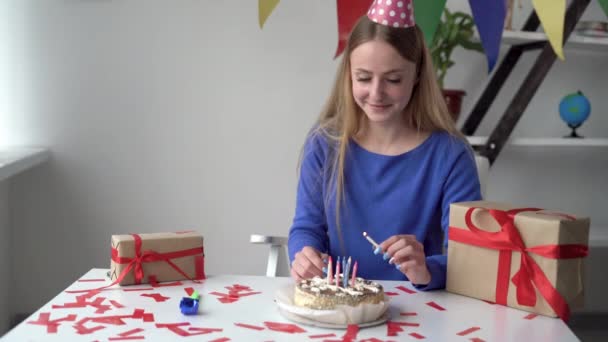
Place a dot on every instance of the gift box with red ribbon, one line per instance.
(157, 257)
(526, 258)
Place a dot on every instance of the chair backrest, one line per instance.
(278, 244)
(483, 170)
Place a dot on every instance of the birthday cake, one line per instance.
(324, 294)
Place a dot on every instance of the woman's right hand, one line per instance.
(307, 264)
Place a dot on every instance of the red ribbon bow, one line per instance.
(529, 275)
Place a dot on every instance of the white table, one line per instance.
(495, 323)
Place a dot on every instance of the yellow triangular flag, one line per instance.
(265, 8)
(551, 14)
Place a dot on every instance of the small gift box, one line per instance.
(157, 257)
(526, 258)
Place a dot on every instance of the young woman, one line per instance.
(386, 158)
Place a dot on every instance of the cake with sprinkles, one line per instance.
(321, 294)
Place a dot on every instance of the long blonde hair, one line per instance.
(341, 117)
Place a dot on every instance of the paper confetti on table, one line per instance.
(221, 339)
(417, 336)
(468, 331)
(531, 316)
(116, 304)
(156, 296)
(81, 302)
(322, 336)
(51, 325)
(284, 327)
(205, 330)
(235, 292)
(393, 328)
(435, 306)
(351, 333)
(408, 314)
(249, 326)
(477, 339)
(128, 335)
(391, 293)
(406, 290)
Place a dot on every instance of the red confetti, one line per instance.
(81, 302)
(351, 333)
(116, 304)
(189, 290)
(392, 327)
(124, 338)
(418, 336)
(322, 336)
(248, 326)
(477, 339)
(89, 280)
(405, 289)
(391, 293)
(531, 316)
(468, 331)
(408, 324)
(235, 292)
(131, 332)
(221, 339)
(205, 330)
(157, 296)
(51, 325)
(82, 330)
(435, 306)
(373, 339)
(408, 314)
(284, 327)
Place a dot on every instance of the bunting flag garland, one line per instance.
(349, 11)
(428, 14)
(604, 5)
(551, 14)
(489, 16)
(265, 8)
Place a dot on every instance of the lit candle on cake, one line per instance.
(352, 280)
(329, 270)
(338, 272)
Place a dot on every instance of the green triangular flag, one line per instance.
(427, 14)
(604, 4)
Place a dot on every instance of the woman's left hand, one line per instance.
(407, 254)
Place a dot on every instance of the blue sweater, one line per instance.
(408, 193)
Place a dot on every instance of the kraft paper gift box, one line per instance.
(157, 257)
(486, 241)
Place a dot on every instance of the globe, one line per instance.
(574, 109)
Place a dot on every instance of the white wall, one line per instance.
(166, 115)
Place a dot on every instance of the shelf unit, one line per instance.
(554, 142)
(575, 41)
(522, 41)
(519, 42)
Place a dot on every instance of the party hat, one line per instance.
(392, 13)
